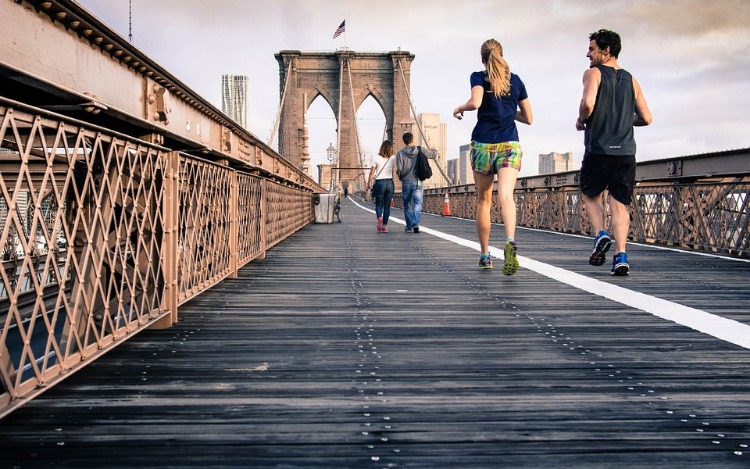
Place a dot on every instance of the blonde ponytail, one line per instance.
(498, 70)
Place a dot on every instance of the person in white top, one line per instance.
(381, 182)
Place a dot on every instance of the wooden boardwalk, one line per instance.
(348, 348)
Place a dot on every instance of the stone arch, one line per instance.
(345, 79)
(324, 96)
(380, 99)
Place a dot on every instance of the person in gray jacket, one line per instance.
(412, 189)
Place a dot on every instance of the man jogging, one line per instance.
(612, 104)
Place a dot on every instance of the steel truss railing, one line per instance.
(103, 235)
(708, 214)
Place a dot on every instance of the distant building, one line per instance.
(234, 98)
(555, 163)
(452, 170)
(465, 174)
(436, 135)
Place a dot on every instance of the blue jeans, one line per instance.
(413, 194)
(383, 192)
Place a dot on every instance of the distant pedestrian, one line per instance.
(412, 189)
(612, 104)
(501, 99)
(381, 182)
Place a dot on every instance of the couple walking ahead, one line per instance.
(611, 105)
(412, 188)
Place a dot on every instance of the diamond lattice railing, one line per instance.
(81, 238)
(711, 215)
(249, 226)
(204, 225)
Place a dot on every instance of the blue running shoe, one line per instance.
(602, 242)
(485, 262)
(620, 266)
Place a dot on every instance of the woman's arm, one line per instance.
(477, 92)
(524, 112)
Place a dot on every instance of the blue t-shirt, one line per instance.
(496, 117)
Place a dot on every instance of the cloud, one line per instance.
(689, 56)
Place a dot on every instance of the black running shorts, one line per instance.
(615, 173)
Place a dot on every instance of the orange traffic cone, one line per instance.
(393, 204)
(446, 206)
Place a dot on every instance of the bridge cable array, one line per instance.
(414, 113)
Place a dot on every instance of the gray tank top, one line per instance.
(609, 129)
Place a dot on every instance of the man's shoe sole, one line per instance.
(621, 270)
(599, 256)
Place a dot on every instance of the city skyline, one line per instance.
(687, 55)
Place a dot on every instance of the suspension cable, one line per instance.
(419, 125)
(281, 106)
(360, 158)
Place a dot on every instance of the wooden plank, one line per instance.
(345, 347)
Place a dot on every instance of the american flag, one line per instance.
(341, 29)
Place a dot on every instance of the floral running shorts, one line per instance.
(488, 158)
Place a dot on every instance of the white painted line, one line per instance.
(722, 328)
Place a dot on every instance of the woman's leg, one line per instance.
(377, 191)
(484, 184)
(506, 178)
(387, 197)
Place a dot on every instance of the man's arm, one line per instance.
(642, 112)
(398, 165)
(591, 80)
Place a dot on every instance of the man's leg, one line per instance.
(595, 209)
(620, 223)
(602, 242)
(407, 190)
(418, 198)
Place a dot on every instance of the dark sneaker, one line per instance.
(485, 262)
(510, 264)
(620, 266)
(416, 229)
(602, 242)
(408, 230)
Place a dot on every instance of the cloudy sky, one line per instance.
(690, 56)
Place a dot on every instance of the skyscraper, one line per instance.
(465, 173)
(555, 162)
(436, 134)
(234, 97)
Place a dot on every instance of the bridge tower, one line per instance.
(344, 79)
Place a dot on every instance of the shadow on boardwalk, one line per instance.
(350, 348)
